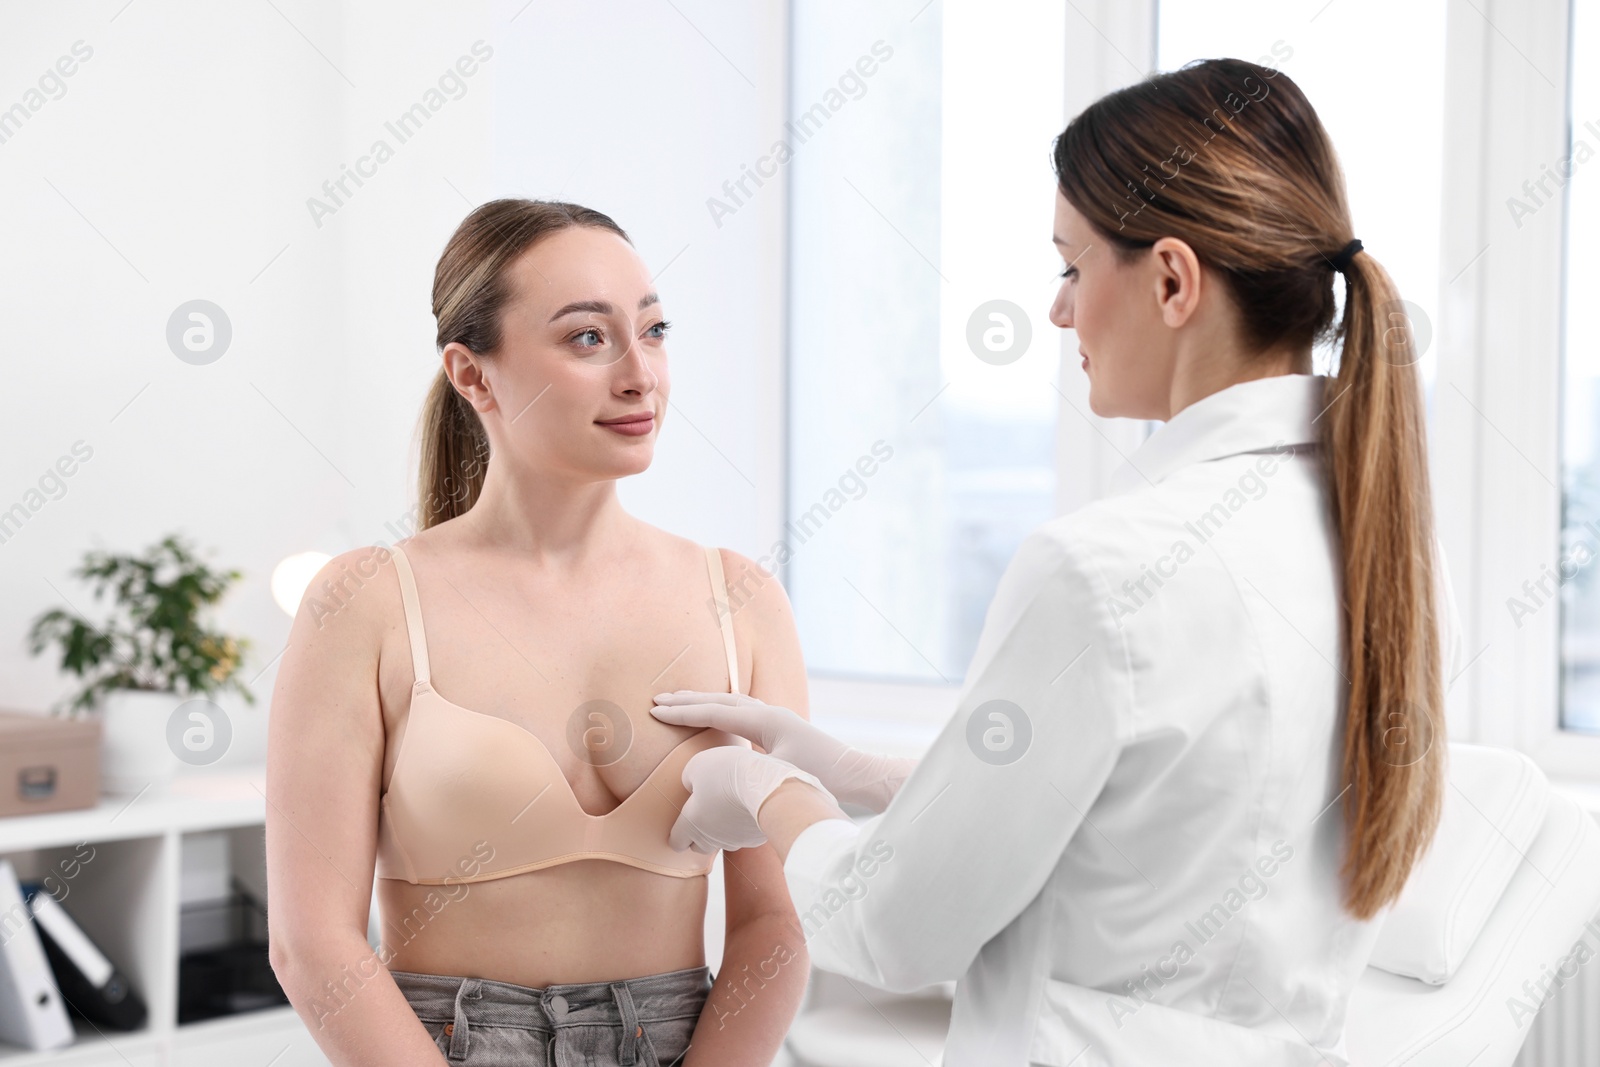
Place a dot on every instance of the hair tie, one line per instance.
(1342, 260)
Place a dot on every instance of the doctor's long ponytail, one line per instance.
(1230, 157)
(1375, 436)
(471, 288)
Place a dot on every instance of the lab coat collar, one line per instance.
(1252, 416)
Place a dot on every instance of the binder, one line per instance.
(31, 1010)
(91, 986)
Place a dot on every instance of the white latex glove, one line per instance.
(727, 785)
(851, 775)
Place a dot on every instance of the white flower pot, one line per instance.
(134, 751)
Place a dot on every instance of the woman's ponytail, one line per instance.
(455, 452)
(1375, 436)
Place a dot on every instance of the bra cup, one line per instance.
(502, 805)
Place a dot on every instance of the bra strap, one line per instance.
(719, 593)
(408, 596)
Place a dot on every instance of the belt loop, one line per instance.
(471, 989)
(630, 1024)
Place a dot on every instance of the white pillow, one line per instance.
(1494, 804)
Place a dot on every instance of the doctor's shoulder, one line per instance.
(1074, 560)
(1116, 532)
(1105, 563)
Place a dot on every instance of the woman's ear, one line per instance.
(466, 372)
(1177, 280)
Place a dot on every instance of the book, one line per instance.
(91, 986)
(32, 1013)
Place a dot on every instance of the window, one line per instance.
(922, 360)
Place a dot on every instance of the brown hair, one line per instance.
(1229, 157)
(471, 287)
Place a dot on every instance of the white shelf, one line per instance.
(199, 800)
(91, 1048)
(127, 897)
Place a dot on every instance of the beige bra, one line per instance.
(474, 796)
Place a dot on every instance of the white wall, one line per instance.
(178, 163)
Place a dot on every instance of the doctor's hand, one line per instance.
(851, 775)
(727, 786)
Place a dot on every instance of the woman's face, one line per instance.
(1117, 312)
(583, 346)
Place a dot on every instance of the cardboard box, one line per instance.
(48, 763)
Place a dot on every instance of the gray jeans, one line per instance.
(640, 1022)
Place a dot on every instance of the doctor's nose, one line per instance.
(1061, 307)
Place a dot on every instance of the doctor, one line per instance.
(1200, 742)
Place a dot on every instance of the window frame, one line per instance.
(1499, 509)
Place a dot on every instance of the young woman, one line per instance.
(1200, 746)
(469, 714)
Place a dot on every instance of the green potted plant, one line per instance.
(152, 654)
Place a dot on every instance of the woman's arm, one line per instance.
(786, 814)
(325, 745)
(765, 966)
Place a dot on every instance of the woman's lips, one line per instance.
(636, 427)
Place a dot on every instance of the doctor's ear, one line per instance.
(465, 369)
(1177, 280)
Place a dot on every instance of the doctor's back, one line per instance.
(1200, 905)
(1182, 806)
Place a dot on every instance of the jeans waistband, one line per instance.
(654, 997)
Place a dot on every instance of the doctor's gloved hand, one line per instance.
(851, 775)
(727, 785)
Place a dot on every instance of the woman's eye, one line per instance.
(1070, 272)
(663, 326)
(591, 332)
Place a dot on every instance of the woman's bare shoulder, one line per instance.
(752, 585)
(763, 622)
(748, 582)
(345, 616)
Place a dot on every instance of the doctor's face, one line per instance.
(1125, 348)
(583, 346)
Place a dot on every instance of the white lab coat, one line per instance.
(1153, 878)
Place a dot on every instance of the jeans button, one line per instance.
(558, 1004)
